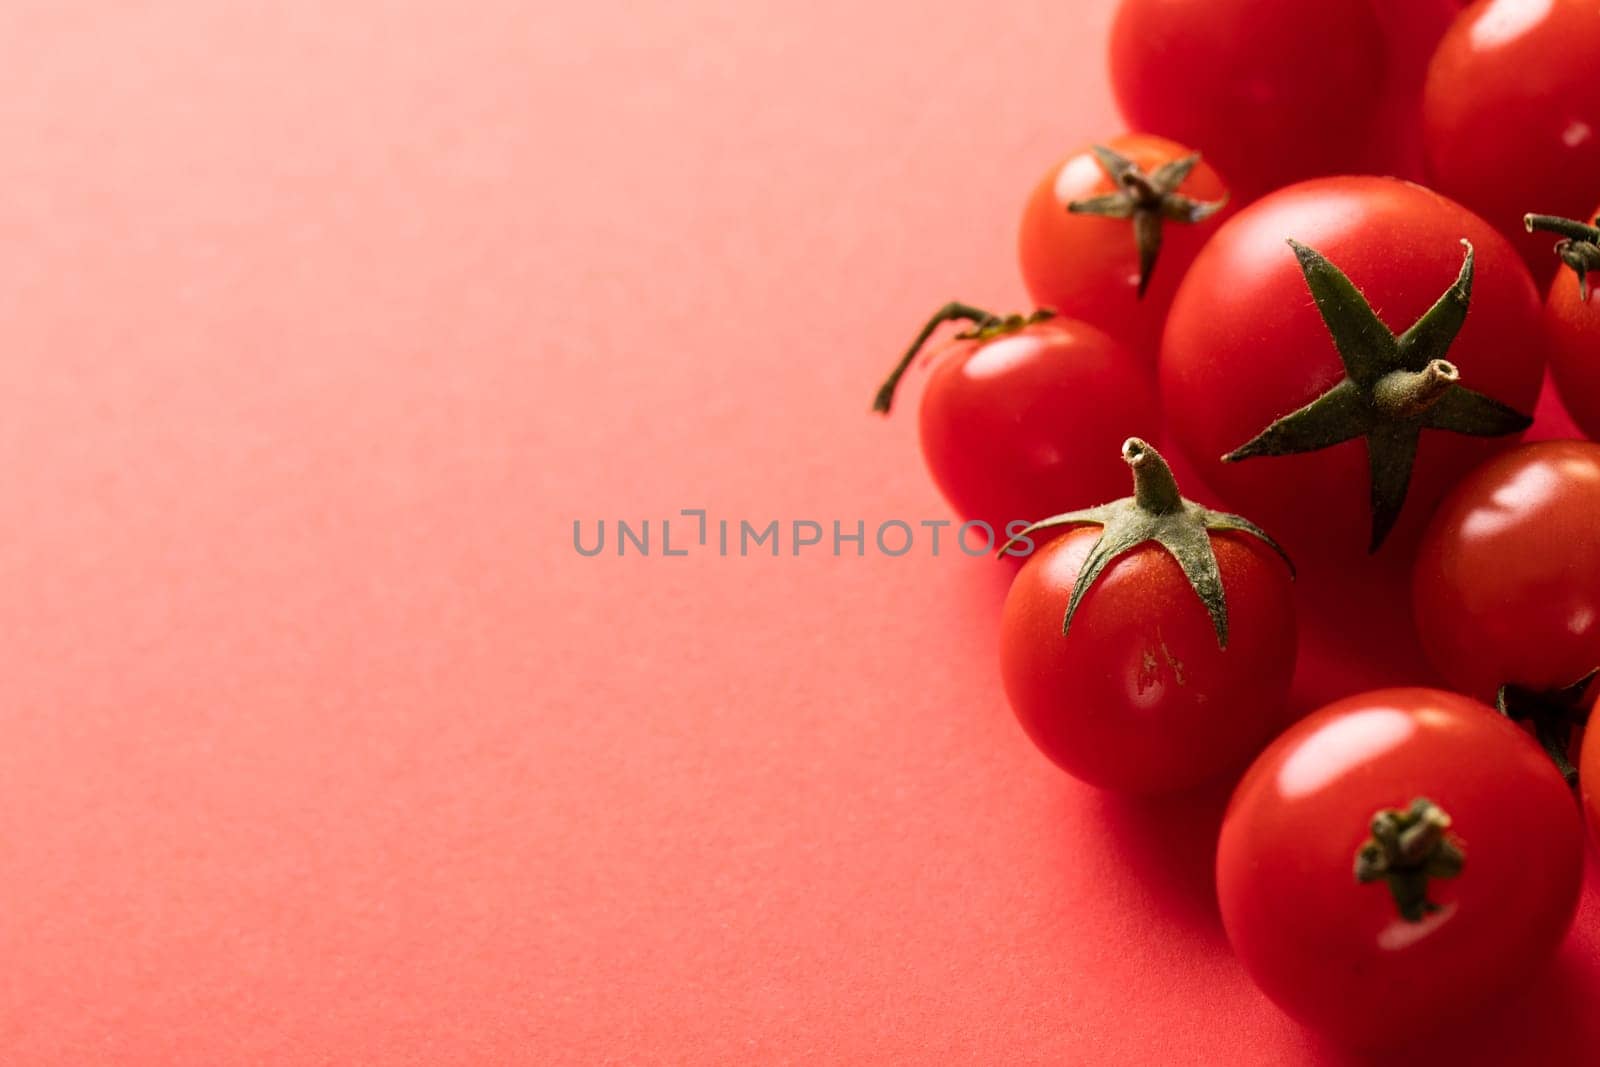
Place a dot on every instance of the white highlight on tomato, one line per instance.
(1403, 933)
(1343, 744)
(1079, 173)
(1506, 20)
(1532, 487)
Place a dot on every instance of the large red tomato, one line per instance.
(1395, 860)
(1014, 410)
(1512, 113)
(1105, 240)
(1149, 647)
(1572, 322)
(1506, 591)
(1408, 321)
(1271, 92)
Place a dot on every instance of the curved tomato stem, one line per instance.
(954, 311)
(1579, 247)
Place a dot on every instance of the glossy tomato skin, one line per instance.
(1335, 953)
(1506, 587)
(1511, 114)
(1138, 697)
(1572, 325)
(1245, 345)
(1087, 267)
(1272, 93)
(1589, 781)
(1006, 424)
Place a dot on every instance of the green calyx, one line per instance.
(1553, 714)
(1407, 849)
(1393, 388)
(1155, 512)
(985, 326)
(1579, 247)
(1147, 199)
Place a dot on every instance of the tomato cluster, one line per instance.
(1348, 360)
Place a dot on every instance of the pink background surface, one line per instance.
(319, 325)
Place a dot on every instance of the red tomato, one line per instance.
(1511, 114)
(1088, 266)
(1009, 417)
(1246, 345)
(1138, 694)
(1272, 92)
(1572, 322)
(1379, 930)
(1507, 581)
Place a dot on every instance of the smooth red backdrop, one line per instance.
(319, 325)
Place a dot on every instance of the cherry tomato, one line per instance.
(1572, 324)
(1090, 220)
(1511, 114)
(1412, 325)
(1012, 409)
(1396, 859)
(1506, 590)
(1272, 92)
(1507, 582)
(1171, 664)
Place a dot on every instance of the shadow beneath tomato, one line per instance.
(1168, 845)
(1356, 634)
(1550, 1020)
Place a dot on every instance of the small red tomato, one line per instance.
(1109, 231)
(1149, 648)
(1511, 113)
(1395, 860)
(1572, 317)
(1336, 351)
(1506, 588)
(1012, 408)
(1273, 92)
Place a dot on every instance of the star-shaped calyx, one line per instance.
(1579, 247)
(1155, 512)
(1409, 847)
(1149, 200)
(1393, 388)
(1554, 714)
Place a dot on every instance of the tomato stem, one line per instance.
(1381, 399)
(1155, 512)
(1148, 200)
(1579, 247)
(1155, 490)
(1407, 848)
(954, 311)
(1405, 394)
(1554, 715)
